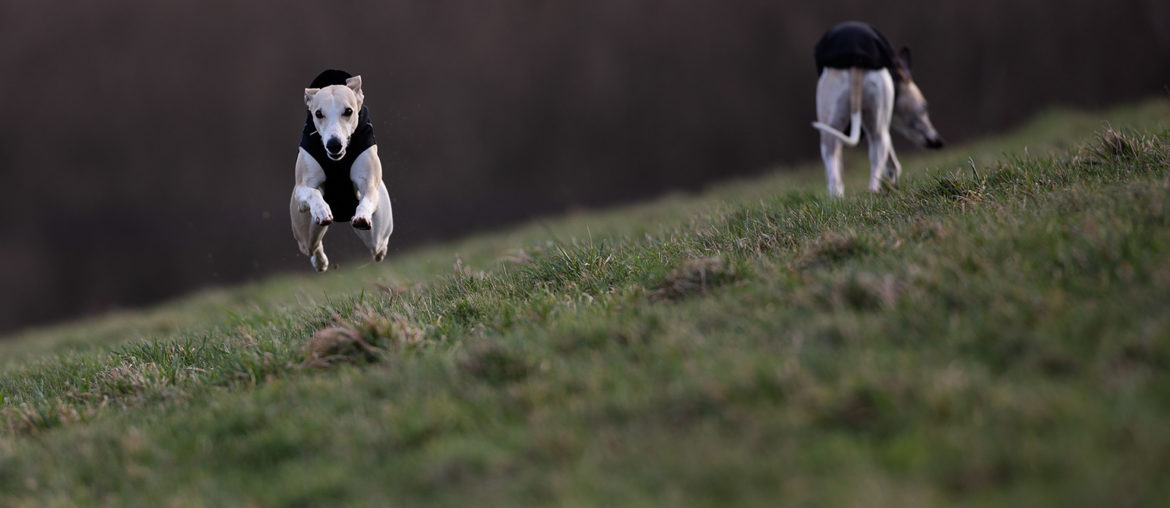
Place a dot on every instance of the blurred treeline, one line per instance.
(147, 147)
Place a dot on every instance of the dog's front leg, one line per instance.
(312, 201)
(366, 174)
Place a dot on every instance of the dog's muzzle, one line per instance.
(334, 149)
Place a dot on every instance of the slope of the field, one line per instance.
(995, 331)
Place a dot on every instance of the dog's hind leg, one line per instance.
(879, 155)
(377, 238)
(893, 167)
(319, 261)
(834, 110)
(832, 86)
(316, 248)
(309, 235)
(831, 154)
(879, 111)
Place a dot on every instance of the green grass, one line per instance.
(996, 335)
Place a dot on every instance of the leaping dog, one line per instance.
(864, 85)
(338, 173)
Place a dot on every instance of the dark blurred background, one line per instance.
(147, 147)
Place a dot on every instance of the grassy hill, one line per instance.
(996, 331)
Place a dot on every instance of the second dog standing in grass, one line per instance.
(863, 85)
(338, 172)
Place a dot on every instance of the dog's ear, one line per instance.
(904, 61)
(355, 84)
(309, 93)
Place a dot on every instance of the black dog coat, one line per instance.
(855, 44)
(338, 189)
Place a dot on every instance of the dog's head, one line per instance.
(911, 118)
(335, 112)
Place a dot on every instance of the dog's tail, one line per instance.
(856, 82)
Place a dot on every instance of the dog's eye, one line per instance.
(348, 112)
(320, 114)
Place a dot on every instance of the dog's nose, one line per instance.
(334, 146)
(935, 143)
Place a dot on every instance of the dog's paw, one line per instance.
(362, 223)
(323, 217)
(319, 261)
(322, 214)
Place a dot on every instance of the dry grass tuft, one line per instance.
(831, 248)
(696, 275)
(1112, 145)
(364, 342)
(397, 329)
(27, 419)
(339, 342)
(131, 377)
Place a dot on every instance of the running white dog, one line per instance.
(863, 85)
(338, 173)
